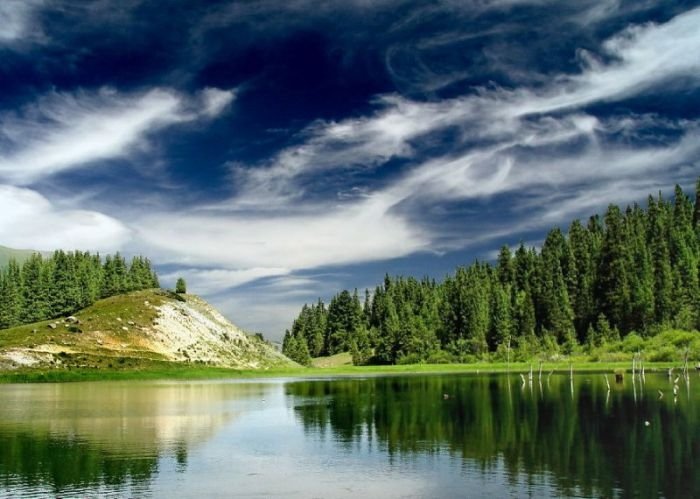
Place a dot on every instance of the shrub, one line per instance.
(633, 343)
(440, 357)
(666, 353)
(411, 358)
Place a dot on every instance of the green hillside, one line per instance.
(21, 255)
(138, 330)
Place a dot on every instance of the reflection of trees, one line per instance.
(61, 437)
(601, 446)
(61, 462)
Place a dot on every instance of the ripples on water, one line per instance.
(412, 436)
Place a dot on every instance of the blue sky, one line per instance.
(275, 152)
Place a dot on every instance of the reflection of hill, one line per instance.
(108, 433)
(596, 446)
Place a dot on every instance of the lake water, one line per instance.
(411, 436)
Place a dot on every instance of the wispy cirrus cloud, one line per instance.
(415, 171)
(324, 236)
(64, 131)
(533, 142)
(512, 129)
(213, 281)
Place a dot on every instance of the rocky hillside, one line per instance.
(135, 330)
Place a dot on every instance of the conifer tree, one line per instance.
(696, 211)
(636, 270)
(35, 290)
(65, 289)
(613, 291)
(502, 327)
(657, 241)
(11, 297)
(504, 267)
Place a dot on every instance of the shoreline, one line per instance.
(185, 372)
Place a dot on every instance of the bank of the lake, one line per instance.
(185, 372)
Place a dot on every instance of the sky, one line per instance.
(273, 153)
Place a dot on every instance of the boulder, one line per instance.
(51, 326)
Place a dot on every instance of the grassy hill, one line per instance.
(138, 330)
(337, 360)
(7, 254)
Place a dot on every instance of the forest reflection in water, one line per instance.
(408, 436)
(634, 439)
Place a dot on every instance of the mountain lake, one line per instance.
(432, 436)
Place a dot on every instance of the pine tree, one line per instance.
(65, 288)
(613, 282)
(684, 259)
(657, 241)
(35, 290)
(641, 272)
(387, 349)
(11, 296)
(583, 302)
(295, 348)
(556, 312)
(504, 267)
(502, 326)
(696, 211)
(636, 270)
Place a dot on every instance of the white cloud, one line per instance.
(213, 281)
(643, 58)
(361, 232)
(67, 131)
(537, 142)
(360, 143)
(16, 19)
(29, 220)
(216, 100)
(540, 142)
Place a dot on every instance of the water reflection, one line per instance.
(414, 436)
(105, 436)
(624, 441)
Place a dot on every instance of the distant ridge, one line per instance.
(7, 254)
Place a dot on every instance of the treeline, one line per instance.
(44, 288)
(632, 271)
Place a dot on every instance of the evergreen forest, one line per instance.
(44, 288)
(621, 278)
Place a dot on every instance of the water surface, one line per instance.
(411, 436)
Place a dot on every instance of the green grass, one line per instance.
(84, 344)
(107, 316)
(337, 360)
(171, 370)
